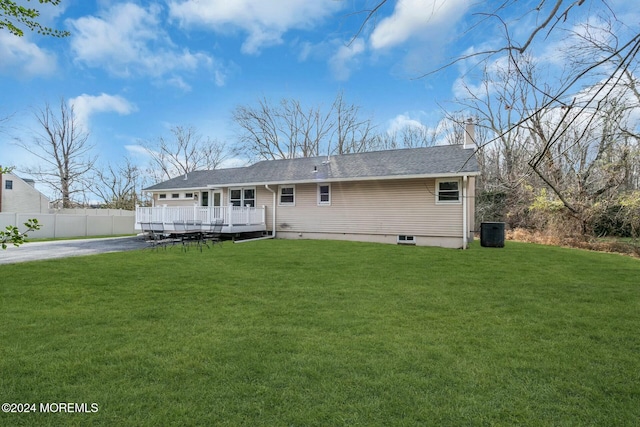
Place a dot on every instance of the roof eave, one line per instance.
(152, 190)
(350, 179)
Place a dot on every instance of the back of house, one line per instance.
(421, 196)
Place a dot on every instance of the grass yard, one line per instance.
(322, 333)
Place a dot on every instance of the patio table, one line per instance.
(187, 233)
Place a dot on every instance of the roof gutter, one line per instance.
(353, 179)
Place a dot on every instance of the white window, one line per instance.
(243, 196)
(188, 195)
(162, 196)
(324, 194)
(406, 240)
(448, 191)
(287, 195)
(175, 196)
(8, 184)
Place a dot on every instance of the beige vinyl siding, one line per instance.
(23, 197)
(265, 198)
(372, 207)
(169, 201)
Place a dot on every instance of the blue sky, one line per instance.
(134, 69)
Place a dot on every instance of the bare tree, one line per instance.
(408, 136)
(119, 186)
(186, 151)
(64, 150)
(561, 161)
(352, 134)
(553, 128)
(501, 99)
(289, 130)
(607, 57)
(588, 161)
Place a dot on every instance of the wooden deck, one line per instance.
(235, 219)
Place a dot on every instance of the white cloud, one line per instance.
(127, 40)
(234, 162)
(179, 83)
(346, 59)
(417, 18)
(264, 21)
(137, 150)
(402, 121)
(23, 58)
(84, 106)
(49, 13)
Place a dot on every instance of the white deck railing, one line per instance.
(230, 215)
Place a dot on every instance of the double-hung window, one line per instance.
(448, 191)
(324, 194)
(243, 197)
(287, 195)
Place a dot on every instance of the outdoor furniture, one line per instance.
(188, 233)
(212, 232)
(154, 234)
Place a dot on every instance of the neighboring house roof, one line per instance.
(437, 161)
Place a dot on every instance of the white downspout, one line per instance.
(465, 232)
(273, 217)
(273, 231)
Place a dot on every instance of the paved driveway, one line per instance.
(65, 248)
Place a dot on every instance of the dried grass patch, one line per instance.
(631, 248)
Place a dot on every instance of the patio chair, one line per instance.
(155, 234)
(188, 232)
(212, 232)
(193, 225)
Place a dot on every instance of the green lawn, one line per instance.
(320, 333)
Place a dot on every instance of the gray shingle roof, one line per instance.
(442, 160)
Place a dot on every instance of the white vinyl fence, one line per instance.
(83, 223)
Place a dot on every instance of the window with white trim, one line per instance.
(406, 240)
(162, 196)
(8, 184)
(287, 196)
(448, 191)
(324, 194)
(243, 196)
